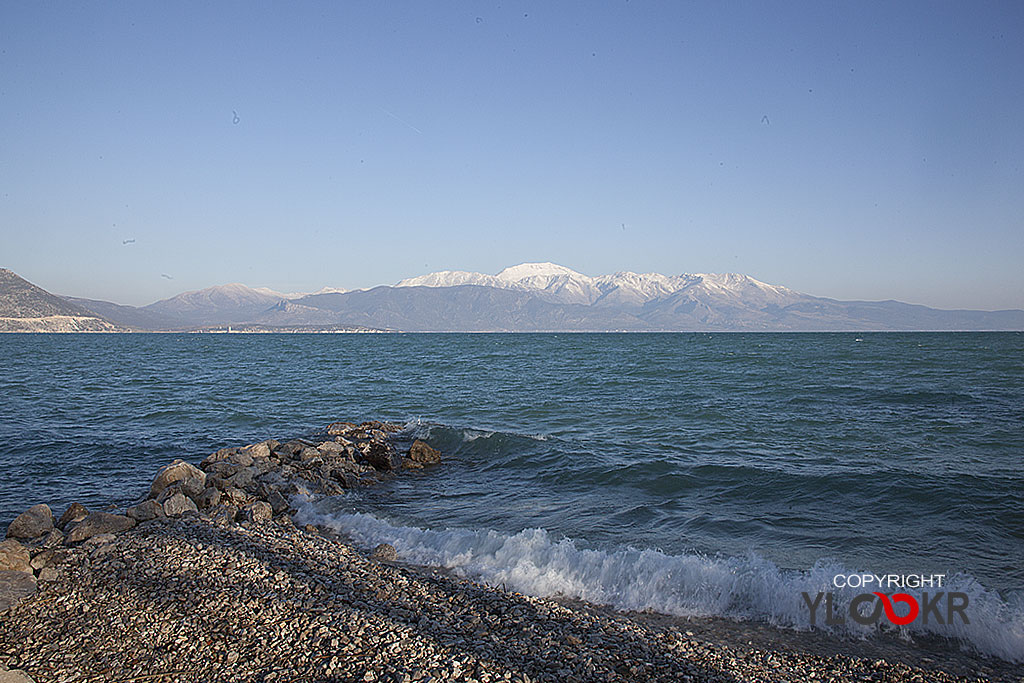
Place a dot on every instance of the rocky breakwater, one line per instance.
(258, 481)
(251, 483)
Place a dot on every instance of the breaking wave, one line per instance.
(750, 587)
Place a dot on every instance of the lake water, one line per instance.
(685, 473)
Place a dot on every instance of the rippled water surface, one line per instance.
(883, 452)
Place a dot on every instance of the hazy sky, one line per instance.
(852, 150)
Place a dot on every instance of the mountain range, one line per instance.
(529, 297)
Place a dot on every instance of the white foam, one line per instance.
(474, 434)
(750, 587)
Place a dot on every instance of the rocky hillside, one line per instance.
(25, 307)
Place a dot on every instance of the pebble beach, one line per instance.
(210, 579)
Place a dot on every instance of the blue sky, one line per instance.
(854, 150)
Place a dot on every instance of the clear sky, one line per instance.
(854, 150)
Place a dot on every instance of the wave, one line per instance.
(750, 587)
(420, 429)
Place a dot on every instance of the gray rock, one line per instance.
(76, 512)
(277, 502)
(421, 454)
(15, 557)
(48, 558)
(260, 511)
(385, 552)
(242, 458)
(265, 465)
(258, 450)
(308, 453)
(171, 490)
(14, 676)
(208, 498)
(33, 523)
(217, 482)
(193, 486)
(179, 504)
(176, 471)
(15, 587)
(288, 449)
(53, 539)
(98, 523)
(223, 469)
(244, 478)
(344, 466)
(48, 574)
(146, 510)
(381, 456)
(332, 449)
(347, 480)
(218, 456)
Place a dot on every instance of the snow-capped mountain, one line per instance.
(534, 297)
(559, 284)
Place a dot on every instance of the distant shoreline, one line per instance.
(624, 332)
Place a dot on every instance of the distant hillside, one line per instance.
(129, 316)
(221, 305)
(24, 307)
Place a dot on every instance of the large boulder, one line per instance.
(380, 455)
(97, 523)
(15, 587)
(277, 502)
(179, 470)
(307, 454)
(53, 539)
(260, 450)
(340, 428)
(35, 522)
(14, 676)
(145, 511)
(48, 558)
(244, 478)
(218, 456)
(179, 504)
(193, 486)
(289, 449)
(332, 449)
(421, 455)
(76, 512)
(15, 557)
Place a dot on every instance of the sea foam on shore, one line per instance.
(750, 587)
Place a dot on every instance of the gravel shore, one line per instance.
(201, 595)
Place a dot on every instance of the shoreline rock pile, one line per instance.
(255, 482)
(241, 483)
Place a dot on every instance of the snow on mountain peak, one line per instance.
(529, 270)
(557, 283)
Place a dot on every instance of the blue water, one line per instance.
(735, 466)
